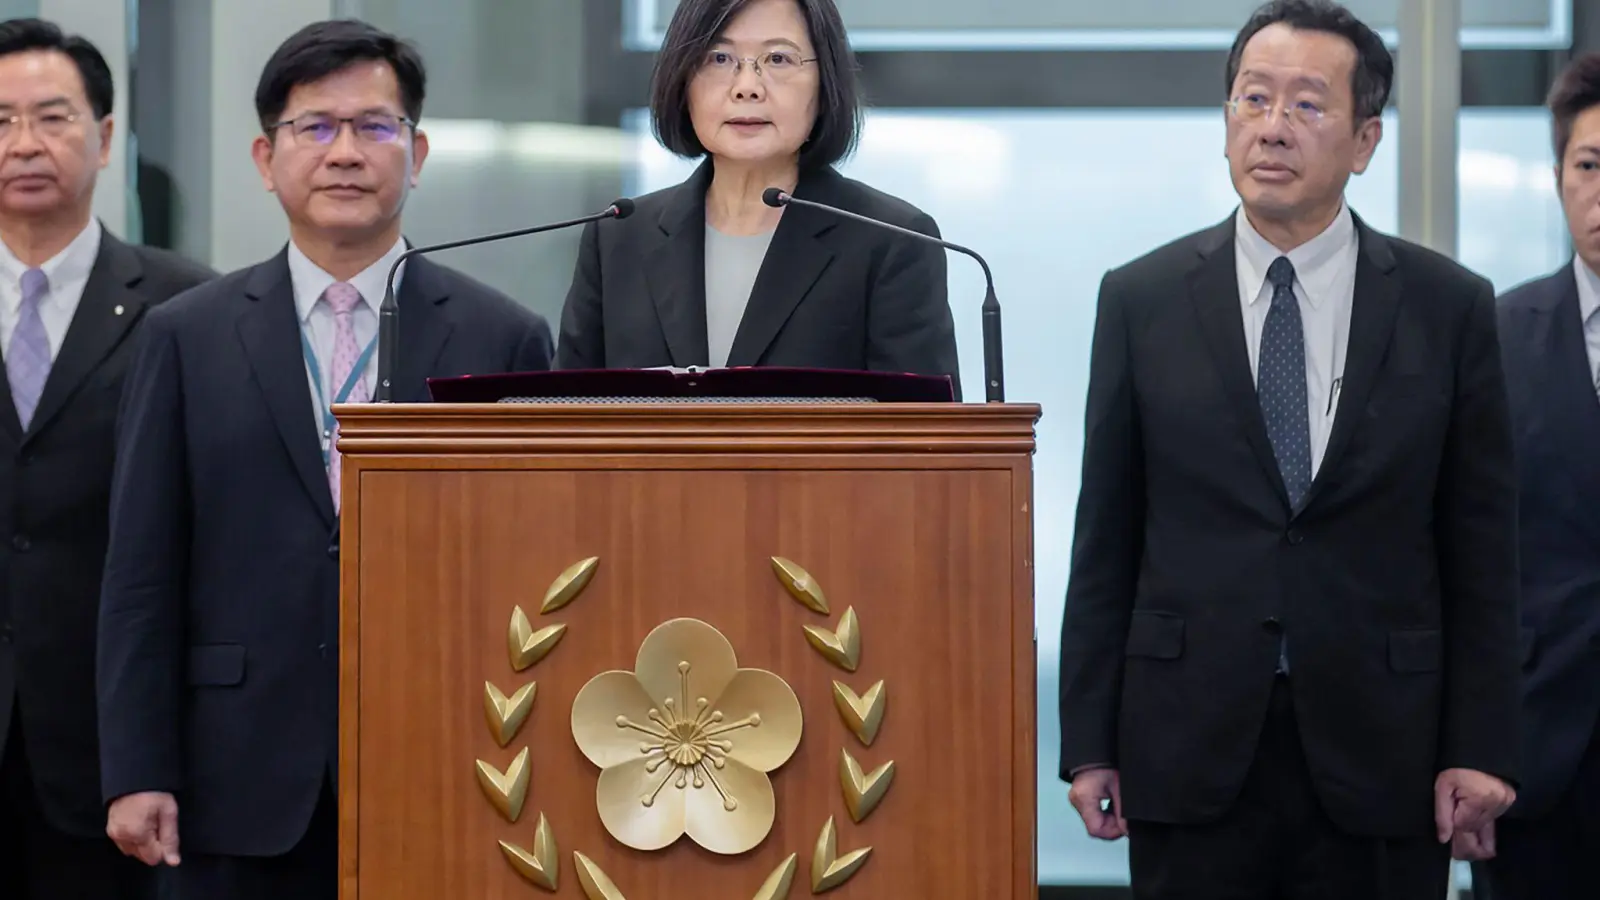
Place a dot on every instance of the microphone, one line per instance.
(993, 365)
(388, 311)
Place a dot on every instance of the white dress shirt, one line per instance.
(68, 274)
(1588, 305)
(317, 321)
(1325, 285)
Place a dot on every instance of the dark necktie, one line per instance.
(1281, 383)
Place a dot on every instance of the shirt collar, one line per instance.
(74, 262)
(1316, 262)
(1588, 289)
(310, 281)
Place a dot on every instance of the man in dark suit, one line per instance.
(1287, 658)
(218, 685)
(72, 297)
(1547, 844)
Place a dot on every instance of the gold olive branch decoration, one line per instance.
(568, 585)
(507, 791)
(862, 715)
(539, 865)
(800, 584)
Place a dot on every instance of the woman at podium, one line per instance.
(709, 273)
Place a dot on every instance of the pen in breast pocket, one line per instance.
(1333, 395)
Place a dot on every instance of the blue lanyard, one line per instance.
(323, 407)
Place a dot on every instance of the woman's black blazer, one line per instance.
(831, 293)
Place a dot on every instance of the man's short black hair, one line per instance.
(697, 24)
(323, 48)
(22, 35)
(1575, 92)
(1373, 76)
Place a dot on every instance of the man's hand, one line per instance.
(145, 827)
(1091, 792)
(1473, 846)
(1468, 801)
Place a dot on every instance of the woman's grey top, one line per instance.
(732, 263)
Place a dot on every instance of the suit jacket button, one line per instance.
(333, 551)
(5, 633)
(1296, 537)
(1272, 626)
(21, 543)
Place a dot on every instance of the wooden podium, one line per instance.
(874, 561)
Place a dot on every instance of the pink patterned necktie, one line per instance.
(343, 299)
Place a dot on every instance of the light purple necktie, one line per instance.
(28, 357)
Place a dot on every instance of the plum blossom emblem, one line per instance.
(685, 742)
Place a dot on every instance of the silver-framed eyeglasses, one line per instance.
(50, 123)
(779, 65)
(320, 129)
(1260, 108)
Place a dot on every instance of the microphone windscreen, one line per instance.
(773, 197)
(623, 206)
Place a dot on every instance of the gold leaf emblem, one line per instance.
(506, 790)
(506, 714)
(538, 866)
(595, 884)
(841, 647)
(800, 584)
(863, 793)
(862, 714)
(568, 585)
(777, 885)
(528, 646)
(685, 741)
(828, 868)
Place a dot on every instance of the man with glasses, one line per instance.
(1288, 663)
(72, 301)
(218, 667)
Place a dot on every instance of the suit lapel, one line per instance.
(10, 425)
(675, 271)
(795, 260)
(1566, 377)
(424, 330)
(269, 329)
(1372, 315)
(106, 313)
(1214, 288)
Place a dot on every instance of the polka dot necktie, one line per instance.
(1281, 383)
(342, 299)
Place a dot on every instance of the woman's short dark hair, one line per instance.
(697, 24)
(22, 35)
(323, 48)
(1373, 76)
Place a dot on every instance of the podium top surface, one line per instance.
(686, 427)
(765, 383)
